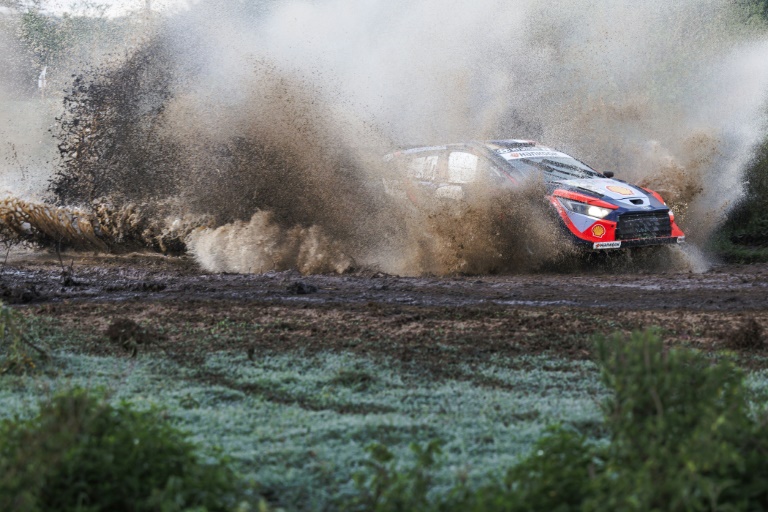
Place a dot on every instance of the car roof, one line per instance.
(493, 145)
(510, 143)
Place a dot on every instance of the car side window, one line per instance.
(462, 167)
(422, 168)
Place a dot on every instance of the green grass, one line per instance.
(730, 252)
(298, 425)
(733, 253)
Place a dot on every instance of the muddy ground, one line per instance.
(171, 306)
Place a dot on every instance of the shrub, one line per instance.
(747, 224)
(682, 437)
(554, 478)
(18, 354)
(82, 454)
(388, 488)
(680, 428)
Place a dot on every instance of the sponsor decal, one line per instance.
(620, 190)
(606, 245)
(598, 231)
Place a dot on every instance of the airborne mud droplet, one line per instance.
(245, 138)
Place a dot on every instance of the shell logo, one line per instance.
(619, 190)
(598, 231)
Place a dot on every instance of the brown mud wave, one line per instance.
(473, 242)
(47, 225)
(101, 228)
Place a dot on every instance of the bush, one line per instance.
(682, 437)
(389, 489)
(747, 224)
(554, 478)
(82, 454)
(18, 354)
(681, 432)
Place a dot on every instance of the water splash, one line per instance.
(261, 123)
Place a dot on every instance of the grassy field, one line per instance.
(296, 412)
(298, 424)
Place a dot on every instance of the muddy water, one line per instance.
(41, 278)
(436, 325)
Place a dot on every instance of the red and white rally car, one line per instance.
(597, 211)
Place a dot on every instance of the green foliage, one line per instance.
(736, 252)
(387, 488)
(17, 353)
(683, 437)
(751, 12)
(60, 41)
(10, 4)
(46, 37)
(83, 454)
(759, 8)
(555, 478)
(747, 224)
(680, 429)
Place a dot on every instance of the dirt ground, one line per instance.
(439, 323)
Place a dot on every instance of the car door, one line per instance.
(473, 172)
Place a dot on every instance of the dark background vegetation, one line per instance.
(747, 225)
(744, 236)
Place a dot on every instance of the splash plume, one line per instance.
(268, 124)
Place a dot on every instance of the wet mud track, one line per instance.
(43, 278)
(439, 322)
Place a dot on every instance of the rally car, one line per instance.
(597, 211)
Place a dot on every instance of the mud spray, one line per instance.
(251, 136)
